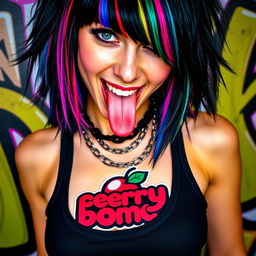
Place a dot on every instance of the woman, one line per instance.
(130, 166)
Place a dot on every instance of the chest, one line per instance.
(180, 219)
(104, 190)
(161, 235)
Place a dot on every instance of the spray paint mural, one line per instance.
(238, 102)
(18, 117)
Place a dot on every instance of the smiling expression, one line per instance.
(110, 61)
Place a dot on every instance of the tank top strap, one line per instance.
(65, 167)
(180, 164)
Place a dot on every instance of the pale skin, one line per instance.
(212, 149)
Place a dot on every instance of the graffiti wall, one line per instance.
(18, 117)
(238, 101)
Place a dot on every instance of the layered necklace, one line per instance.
(140, 130)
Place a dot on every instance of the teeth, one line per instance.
(120, 92)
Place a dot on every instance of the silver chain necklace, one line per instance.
(105, 160)
(127, 149)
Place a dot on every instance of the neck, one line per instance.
(102, 123)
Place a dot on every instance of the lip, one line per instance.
(104, 89)
(120, 87)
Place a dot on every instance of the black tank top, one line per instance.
(179, 230)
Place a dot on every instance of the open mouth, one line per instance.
(119, 90)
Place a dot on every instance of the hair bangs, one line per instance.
(121, 16)
(142, 21)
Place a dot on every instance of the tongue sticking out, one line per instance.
(121, 113)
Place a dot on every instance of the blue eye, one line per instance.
(106, 36)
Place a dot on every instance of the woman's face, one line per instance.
(119, 74)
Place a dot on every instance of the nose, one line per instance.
(127, 67)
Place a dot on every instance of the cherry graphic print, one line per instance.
(129, 182)
(121, 202)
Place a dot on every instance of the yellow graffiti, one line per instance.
(13, 230)
(242, 29)
(12, 217)
(241, 39)
(21, 107)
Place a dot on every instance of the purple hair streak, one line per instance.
(67, 81)
(167, 101)
(164, 30)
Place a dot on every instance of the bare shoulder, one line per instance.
(214, 141)
(36, 154)
(214, 134)
(37, 146)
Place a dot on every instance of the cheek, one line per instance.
(92, 59)
(158, 72)
(89, 60)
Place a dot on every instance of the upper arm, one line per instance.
(33, 166)
(223, 165)
(223, 196)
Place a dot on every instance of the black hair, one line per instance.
(194, 31)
